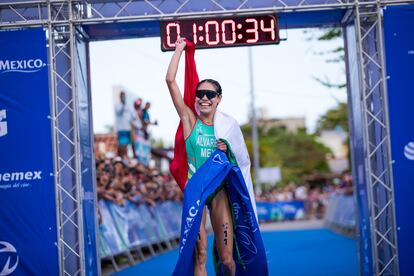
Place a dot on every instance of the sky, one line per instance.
(283, 79)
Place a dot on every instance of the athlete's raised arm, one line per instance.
(186, 115)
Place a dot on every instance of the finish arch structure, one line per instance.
(71, 24)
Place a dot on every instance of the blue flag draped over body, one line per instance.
(248, 252)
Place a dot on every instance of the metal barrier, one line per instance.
(129, 228)
(340, 215)
(280, 210)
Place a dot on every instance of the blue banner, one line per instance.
(170, 217)
(399, 45)
(126, 219)
(358, 149)
(341, 211)
(128, 226)
(281, 210)
(152, 229)
(142, 147)
(109, 233)
(28, 234)
(87, 161)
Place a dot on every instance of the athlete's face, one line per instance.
(206, 105)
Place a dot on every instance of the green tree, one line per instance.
(157, 143)
(336, 117)
(336, 55)
(297, 154)
(333, 118)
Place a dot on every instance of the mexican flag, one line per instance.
(226, 128)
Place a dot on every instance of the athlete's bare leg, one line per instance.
(200, 250)
(222, 223)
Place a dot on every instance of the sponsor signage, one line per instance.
(399, 45)
(8, 251)
(22, 66)
(3, 123)
(28, 235)
(409, 151)
(280, 210)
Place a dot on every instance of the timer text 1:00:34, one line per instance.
(221, 32)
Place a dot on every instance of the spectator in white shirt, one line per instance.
(124, 120)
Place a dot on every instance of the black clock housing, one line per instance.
(213, 32)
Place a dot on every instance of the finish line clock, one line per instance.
(213, 32)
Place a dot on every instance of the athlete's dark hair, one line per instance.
(213, 82)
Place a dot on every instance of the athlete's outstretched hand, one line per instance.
(180, 44)
(221, 145)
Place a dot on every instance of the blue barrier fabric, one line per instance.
(128, 226)
(28, 233)
(127, 223)
(358, 149)
(103, 250)
(280, 210)
(170, 217)
(341, 211)
(160, 224)
(87, 164)
(140, 225)
(109, 232)
(250, 254)
(151, 225)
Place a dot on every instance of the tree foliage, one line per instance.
(336, 117)
(297, 154)
(330, 34)
(336, 55)
(333, 118)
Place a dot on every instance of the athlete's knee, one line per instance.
(201, 257)
(226, 256)
(228, 265)
(201, 250)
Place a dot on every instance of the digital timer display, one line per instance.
(221, 31)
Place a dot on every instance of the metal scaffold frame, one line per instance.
(64, 19)
(62, 45)
(377, 141)
(31, 13)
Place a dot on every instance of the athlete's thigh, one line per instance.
(222, 223)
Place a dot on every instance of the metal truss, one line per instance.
(35, 12)
(377, 143)
(61, 40)
(63, 20)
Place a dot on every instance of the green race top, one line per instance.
(199, 146)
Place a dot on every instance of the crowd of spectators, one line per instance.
(127, 178)
(119, 180)
(314, 196)
(127, 175)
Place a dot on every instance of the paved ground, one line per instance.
(293, 248)
(292, 225)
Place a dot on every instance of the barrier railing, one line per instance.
(129, 228)
(280, 210)
(340, 215)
